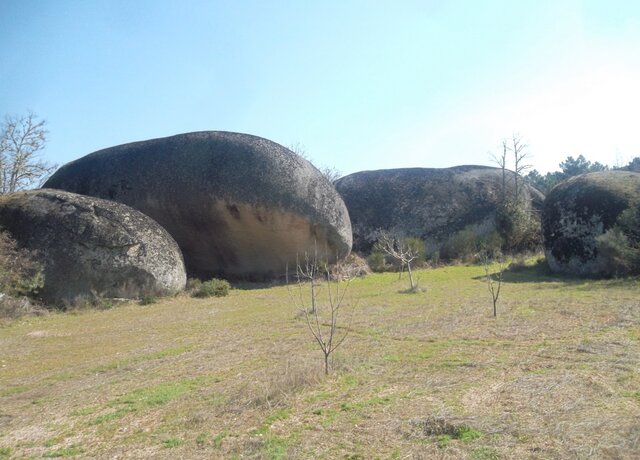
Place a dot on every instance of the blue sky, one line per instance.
(361, 84)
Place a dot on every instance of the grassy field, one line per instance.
(423, 375)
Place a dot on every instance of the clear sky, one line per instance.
(361, 84)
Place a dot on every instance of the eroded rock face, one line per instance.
(239, 206)
(580, 209)
(90, 245)
(428, 203)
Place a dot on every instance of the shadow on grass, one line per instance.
(541, 273)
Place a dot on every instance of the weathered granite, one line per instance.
(92, 246)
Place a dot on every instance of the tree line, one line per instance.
(573, 167)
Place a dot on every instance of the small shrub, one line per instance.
(15, 307)
(353, 266)
(460, 246)
(518, 227)
(464, 245)
(193, 284)
(20, 274)
(92, 301)
(446, 431)
(148, 300)
(213, 288)
(377, 262)
(620, 245)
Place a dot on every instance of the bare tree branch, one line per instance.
(396, 246)
(21, 141)
(323, 318)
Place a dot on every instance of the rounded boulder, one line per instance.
(89, 246)
(429, 203)
(577, 211)
(239, 206)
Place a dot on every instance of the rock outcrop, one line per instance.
(580, 209)
(429, 203)
(239, 206)
(92, 246)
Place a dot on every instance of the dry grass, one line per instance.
(424, 375)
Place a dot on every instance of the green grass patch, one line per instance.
(201, 440)
(217, 439)
(632, 394)
(158, 395)
(111, 416)
(275, 448)
(14, 390)
(467, 434)
(150, 397)
(444, 440)
(172, 442)
(174, 351)
(485, 453)
(278, 414)
(5, 452)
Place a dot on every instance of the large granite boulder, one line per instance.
(239, 206)
(429, 203)
(580, 209)
(92, 246)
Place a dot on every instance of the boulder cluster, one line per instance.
(136, 219)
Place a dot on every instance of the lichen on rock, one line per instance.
(577, 211)
(89, 246)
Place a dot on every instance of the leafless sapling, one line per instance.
(323, 313)
(494, 280)
(397, 247)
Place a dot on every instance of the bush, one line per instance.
(213, 288)
(465, 244)
(193, 284)
(620, 245)
(460, 246)
(351, 267)
(13, 307)
(377, 262)
(148, 300)
(518, 227)
(20, 274)
(91, 301)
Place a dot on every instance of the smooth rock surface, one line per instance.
(580, 209)
(92, 246)
(239, 206)
(429, 203)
